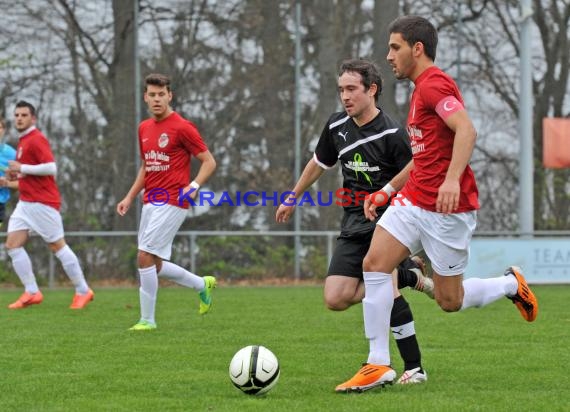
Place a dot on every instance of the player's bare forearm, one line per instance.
(463, 143)
(401, 178)
(124, 205)
(310, 175)
(207, 167)
(138, 184)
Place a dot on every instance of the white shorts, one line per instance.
(37, 218)
(445, 238)
(158, 226)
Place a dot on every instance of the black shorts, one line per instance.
(2, 212)
(349, 254)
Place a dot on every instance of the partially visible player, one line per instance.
(38, 211)
(7, 153)
(372, 149)
(167, 142)
(438, 206)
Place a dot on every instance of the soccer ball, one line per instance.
(254, 370)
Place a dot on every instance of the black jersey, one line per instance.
(370, 156)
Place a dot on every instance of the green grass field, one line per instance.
(55, 359)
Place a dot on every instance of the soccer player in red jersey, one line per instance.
(167, 142)
(437, 210)
(38, 211)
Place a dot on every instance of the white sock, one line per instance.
(181, 276)
(148, 292)
(23, 268)
(377, 306)
(72, 269)
(481, 292)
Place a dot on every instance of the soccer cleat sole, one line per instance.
(361, 389)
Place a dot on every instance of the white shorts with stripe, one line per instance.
(444, 237)
(158, 226)
(37, 218)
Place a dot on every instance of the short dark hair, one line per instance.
(416, 29)
(23, 103)
(367, 70)
(157, 79)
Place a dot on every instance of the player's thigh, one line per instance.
(446, 239)
(385, 252)
(341, 289)
(37, 218)
(158, 227)
(344, 275)
(396, 235)
(16, 239)
(348, 255)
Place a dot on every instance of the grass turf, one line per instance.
(56, 359)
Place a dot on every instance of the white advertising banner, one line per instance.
(543, 260)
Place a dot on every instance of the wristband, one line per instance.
(389, 189)
(194, 185)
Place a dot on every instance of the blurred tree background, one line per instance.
(232, 63)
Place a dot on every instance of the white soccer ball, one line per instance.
(254, 370)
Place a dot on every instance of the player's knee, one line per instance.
(449, 304)
(369, 264)
(336, 302)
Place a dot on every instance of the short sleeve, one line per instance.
(399, 148)
(43, 153)
(326, 153)
(191, 139)
(437, 89)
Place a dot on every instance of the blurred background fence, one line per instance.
(109, 258)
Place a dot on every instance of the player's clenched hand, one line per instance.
(14, 166)
(370, 209)
(372, 201)
(448, 196)
(123, 206)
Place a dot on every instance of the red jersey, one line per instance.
(34, 149)
(166, 147)
(432, 144)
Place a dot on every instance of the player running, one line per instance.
(37, 211)
(438, 207)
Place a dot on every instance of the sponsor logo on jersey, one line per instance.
(362, 167)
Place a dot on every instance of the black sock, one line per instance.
(402, 325)
(407, 277)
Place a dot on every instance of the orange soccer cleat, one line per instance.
(80, 301)
(27, 299)
(525, 301)
(368, 377)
